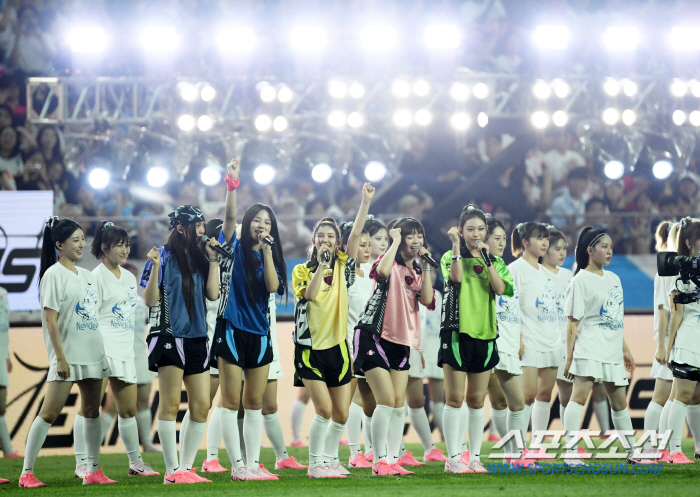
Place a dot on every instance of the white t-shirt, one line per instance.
(75, 298)
(509, 323)
(561, 281)
(4, 325)
(597, 303)
(538, 306)
(688, 334)
(358, 295)
(661, 298)
(116, 313)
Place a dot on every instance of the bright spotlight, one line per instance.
(480, 91)
(356, 90)
(268, 93)
(695, 88)
(560, 118)
(99, 178)
(611, 116)
(378, 38)
(337, 119)
(629, 88)
(263, 123)
(694, 118)
(679, 88)
(188, 92)
(459, 92)
(460, 121)
(685, 38)
(375, 171)
(482, 119)
(621, 38)
(280, 124)
(611, 87)
(442, 37)
(423, 117)
(662, 169)
(552, 37)
(401, 88)
(403, 118)
(264, 174)
(539, 119)
(421, 88)
(207, 93)
(541, 90)
(210, 175)
(321, 173)
(355, 120)
(285, 95)
(678, 117)
(205, 123)
(629, 117)
(308, 38)
(337, 89)
(157, 176)
(186, 122)
(236, 40)
(614, 169)
(87, 40)
(561, 88)
(159, 39)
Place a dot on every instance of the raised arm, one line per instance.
(151, 293)
(229, 226)
(359, 224)
(387, 262)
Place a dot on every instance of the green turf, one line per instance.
(429, 481)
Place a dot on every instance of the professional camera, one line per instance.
(672, 264)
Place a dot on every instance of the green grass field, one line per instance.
(429, 480)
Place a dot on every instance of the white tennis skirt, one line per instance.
(509, 363)
(560, 374)
(683, 356)
(144, 376)
(415, 365)
(600, 371)
(661, 372)
(123, 370)
(80, 372)
(536, 359)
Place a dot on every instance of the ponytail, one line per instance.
(661, 235)
(525, 231)
(55, 232)
(109, 235)
(588, 238)
(345, 230)
(688, 235)
(672, 237)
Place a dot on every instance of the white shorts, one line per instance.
(144, 376)
(600, 371)
(536, 359)
(415, 366)
(509, 363)
(661, 372)
(82, 371)
(683, 356)
(4, 376)
(122, 370)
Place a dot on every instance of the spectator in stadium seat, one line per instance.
(571, 202)
(33, 50)
(5, 116)
(10, 157)
(34, 174)
(562, 159)
(687, 190)
(48, 140)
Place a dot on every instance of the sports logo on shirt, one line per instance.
(612, 310)
(510, 309)
(546, 303)
(86, 310)
(409, 280)
(561, 303)
(123, 312)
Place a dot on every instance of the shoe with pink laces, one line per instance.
(476, 467)
(262, 468)
(370, 456)
(14, 454)
(289, 463)
(298, 443)
(402, 471)
(195, 478)
(359, 461)
(28, 480)
(382, 468)
(435, 455)
(464, 457)
(259, 473)
(322, 471)
(213, 466)
(679, 458)
(177, 478)
(98, 477)
(408, 460)
(239, 474)
(457, 467)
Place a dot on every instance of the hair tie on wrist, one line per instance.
(232, 184)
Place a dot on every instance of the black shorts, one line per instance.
(372, 351)
(331, 366)
(245, 350)
(465, 353)
(685, 371)
(189, 354)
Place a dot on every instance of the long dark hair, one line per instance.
(491, 224)
(345, 230)
(56, 151)
(15, 149)
(181, 247)
(688, 234)
(408, 226)
(374, 226)
(327, 221)
(109, 235)
(525, 231)
(55, 232)
(661, 235)
(585, 240)
(555, 235)
(471, 211)
(247, 243)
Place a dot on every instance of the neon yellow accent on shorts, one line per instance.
(346, 360)
(305, 357)
(488, 356)
(455, 348)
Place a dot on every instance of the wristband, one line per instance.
(426, 270)
(214, 260)
(231, 184)
(457, 257)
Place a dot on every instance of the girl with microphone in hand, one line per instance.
(468, 352)
(321, 358)
(177, 278)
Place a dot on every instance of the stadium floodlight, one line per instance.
(210, 175)
(356, 90)
(285, 95)
(268, 93)
(375, 171)
(188, 91)
(611, 87)
(355, 120)
(308, 38)
(621, 38)
(460, 121)
(679, 88)
(378, 38)
(207, 93)
(614, 169)
(662, 169)
(480, 91)
(337, 89)
(694, 118)
(611, 116)
(280, 124)
(678, 117)
(561, 88)
(401, 88)
(186, 122)
(237, 40)
(482, 119)
(264, 174)
(552, 37)
(263, 123)
(629, 117)
(442, 36)
(423, 117)
(98, 178)
(685, 38)
(539, 119)
(321, 173)
(159, 39)
(87, 39)
(403, 118)
(337, 119)
(421, 88)
(459, 92)
(629, 88)
(541, 89)
(205, 123)
(695, 88)
(560, 118)
(157, 176)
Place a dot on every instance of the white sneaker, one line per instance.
(239, 474)
(141, 469)
(81, 471)
(458, 467)
(476, 466)
(322, 471)
(338, 468)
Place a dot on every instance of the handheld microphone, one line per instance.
(217, 248)
(484, 255)
(428, 259)
(269, 241)
(327, 256)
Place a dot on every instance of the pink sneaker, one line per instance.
(195, 478)
(435, 455)
(3, 480)
(359, 461)
(370, 456)
(298, 443)
(213, 466)
(408, 460)
(524, 463)
(262, 468)
(476, 467)
(464, 457)
(679, 458)
(259, 474)
(289, 463)
(402, 471)
(382, 468)
(322, 471)
(664, 455)
(344, 442)
(493, 437)
(98, 477)
(581, 450)
(457, 467)
(28, 480)
(177, 478)
(14, 454)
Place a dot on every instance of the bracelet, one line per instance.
(426, 270)
(214, 260)
(457, 257)
(326, 265)
(232, 184)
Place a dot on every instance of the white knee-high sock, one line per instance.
(622, 421)
(651, 421)
(540, 416)
(230, 434)
(354, 427)
(79, 440)
(317, 439)
(130, 436)
(693, 418)
(663, 420)
(451, 420)
(214, 434)
(93, 440)
(367, 431)
(420, 423)
(183, 429)
(499, 422)
(273, 430)
(395, 435)
(298, 408)
(252, 433)
(106, 421)
(334, 433)
(438, 412)
(562, 412)
(168, 442)
(676, 419)
(35, 439)
(515, 421)
(380, 431)
(463, 428)
(5, 439)
(601, 412)
(144, 420)
(527, 411)
(476, 433)
(241, 439)
(572, 422)
(190, 444)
